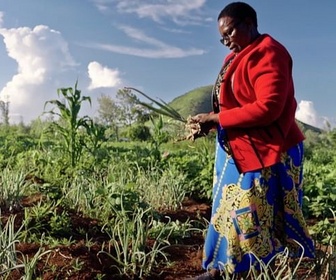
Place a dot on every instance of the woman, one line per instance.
(257, 191)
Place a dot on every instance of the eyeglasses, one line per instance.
(229, 34)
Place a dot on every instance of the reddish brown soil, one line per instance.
(184, 256)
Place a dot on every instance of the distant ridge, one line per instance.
(198, 101)
(193, 102)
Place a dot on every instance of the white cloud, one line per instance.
(176, 31)
(42, 57)
(180, 11)
(177, 10)
(157, 49)
(101, 5)
(306, 113)
(102, 76)
(1, 18)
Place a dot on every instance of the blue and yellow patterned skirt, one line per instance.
(255, 215)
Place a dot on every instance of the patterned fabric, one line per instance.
(255, 214)
(216, 88)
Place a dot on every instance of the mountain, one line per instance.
(199, 101)
(193, 102)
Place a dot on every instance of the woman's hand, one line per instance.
(206, 118)
(200, 125)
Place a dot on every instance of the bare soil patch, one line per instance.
(184, 255)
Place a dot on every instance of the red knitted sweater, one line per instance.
(257, 104)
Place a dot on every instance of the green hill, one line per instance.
(193, 102)
(199, 101)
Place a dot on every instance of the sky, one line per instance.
(162, 47)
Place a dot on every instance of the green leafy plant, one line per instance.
(9, 237)
(128, 243)
(95, 137)
(70, 123)
(162, 189)
(30, 264)
(173, 230)
(12, 187)
(37, 220)
(162, 108)
(60, 224)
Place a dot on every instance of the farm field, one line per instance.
(80, 259)
(78, 203)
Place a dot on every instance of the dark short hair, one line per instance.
(240, 11)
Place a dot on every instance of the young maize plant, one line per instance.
(192, 127)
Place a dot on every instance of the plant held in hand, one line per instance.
(194, 128)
